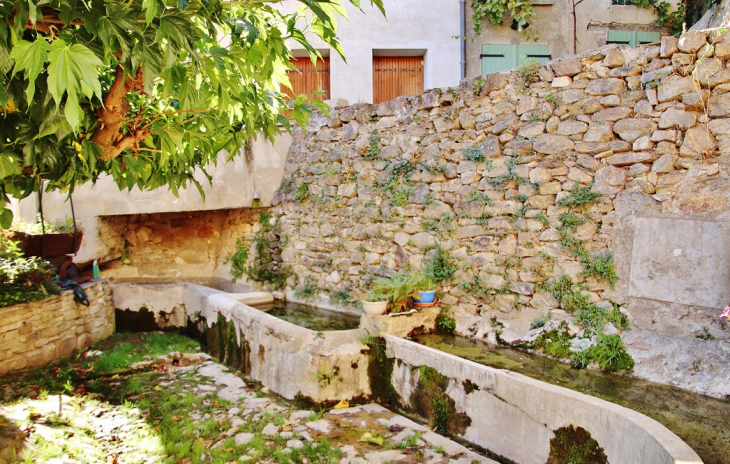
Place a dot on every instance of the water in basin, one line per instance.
(701, 421)
(310, 317)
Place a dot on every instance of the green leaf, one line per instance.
(6, 218)
(10, 164)
(32, 12)
(30, 57)
(72, 111)
(73, 69)
(150, 8)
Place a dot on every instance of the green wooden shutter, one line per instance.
(498, 57)
(647, 37)
(621, 38)
(632, 38)
(530, 52)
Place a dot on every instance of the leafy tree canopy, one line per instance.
(143, 90)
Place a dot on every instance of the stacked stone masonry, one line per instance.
(480, 170)
(37, 333)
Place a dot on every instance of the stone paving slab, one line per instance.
(356, 430)
(363, 434)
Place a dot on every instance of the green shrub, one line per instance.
(398, 289)
(445, 324)
(24, 279)
(611, 354)
(441, 266)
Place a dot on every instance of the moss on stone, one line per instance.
(221, 343)
(380, 373)
(574, 445)
(431, 403)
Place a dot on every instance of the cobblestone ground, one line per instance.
(187, 408)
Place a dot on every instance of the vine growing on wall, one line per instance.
(522, 12)
(494, 11)
(673, 20)
(264, 268)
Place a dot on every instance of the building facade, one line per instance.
(597, 23)
(417, 46)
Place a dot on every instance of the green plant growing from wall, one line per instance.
(263, 268)
(302, 192)
(307, 291)
(478, 85)
(238, 259)
(570, 221)
(480, 197)
(324, 376)
(344, 297)
(611, 354)
(674, 20)
(445, 323)
(440, 265)
(474, 154)
(373, 149)
(580, 197)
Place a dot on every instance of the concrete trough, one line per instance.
(510, 414)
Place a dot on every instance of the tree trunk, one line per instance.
(109, 136)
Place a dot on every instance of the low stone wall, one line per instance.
(504, 411)
(37, 333)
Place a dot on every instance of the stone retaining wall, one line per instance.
(484, 171)
(37, 333)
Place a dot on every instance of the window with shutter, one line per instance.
(632, 38)
(498, 57)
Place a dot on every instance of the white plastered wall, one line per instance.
(233, 185)
(428, 29)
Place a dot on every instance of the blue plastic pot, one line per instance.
(425, 297)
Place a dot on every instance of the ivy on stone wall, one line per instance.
(265, 267)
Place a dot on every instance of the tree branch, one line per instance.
(108, 136)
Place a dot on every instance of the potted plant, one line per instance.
(374, 303)
(399, 290)
(46, 240)
(426, 288)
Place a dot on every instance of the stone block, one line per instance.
(567, 67)
(607, 86)
(685, 266)
(692, 41)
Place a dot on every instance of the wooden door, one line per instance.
(307, 78)
(395, 76)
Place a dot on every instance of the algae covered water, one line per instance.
(701, 421)
(311, 318)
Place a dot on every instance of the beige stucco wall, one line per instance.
(428, 29)
(554, 27)
(233, 184)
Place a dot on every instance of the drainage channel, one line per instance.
(701, 421)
